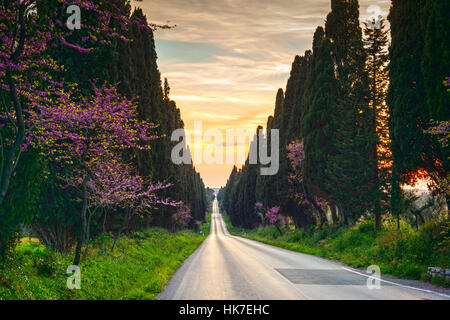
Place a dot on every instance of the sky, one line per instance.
(226, 59)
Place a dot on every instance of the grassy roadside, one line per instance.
(139, 267)
(406, 253)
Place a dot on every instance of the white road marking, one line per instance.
(397, 284)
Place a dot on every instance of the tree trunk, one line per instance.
(447, 198)
(278, 228)
(124, 227)
(377, 210)
(334, 216)
(344, 216)
(11, 159)
(77, 259)
(83, 222)
(322, 214)
(396, 196)
(104, 232)
(117, 237)
(10, 163)
(377, 218)
(88, 235)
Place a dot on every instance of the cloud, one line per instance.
(225, 60)
(192, 52)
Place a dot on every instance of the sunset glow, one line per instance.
(225, 60)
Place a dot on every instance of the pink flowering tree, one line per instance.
(87, 135)
(274, 218)
(442, 185)
(27, 69)
(441, 130)
(296, 156)
(114, 185)
(272, 215)
(81, 134)
(181, 217)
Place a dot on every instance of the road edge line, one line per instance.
(397, 284)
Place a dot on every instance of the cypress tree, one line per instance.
(419, 65)
(279, 103)
(376, 40)
(347, 168)
(436, 70)
(295, 89)
(240, 205)
(226, 202)
(436, 58)
(143, 80)
(413, 151)
(288, 122)
(318, 124)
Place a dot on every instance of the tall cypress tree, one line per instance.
(412, 149)
(318, 123)
(436, 58)
(436, 70)
(348, 169)
(288, 122)
(142, 79)
(375, 41)
(295, 89)
(419, 64)
(279, 103)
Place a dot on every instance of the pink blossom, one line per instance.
(182, 216)
(272, 215)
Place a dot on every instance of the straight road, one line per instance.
(226, 267)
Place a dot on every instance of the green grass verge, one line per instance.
(406, 253)
(139, 267)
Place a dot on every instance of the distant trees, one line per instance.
(325, 106)
(138, 76)
(241, 197)
(228, 195)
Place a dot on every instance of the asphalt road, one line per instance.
(226, 267)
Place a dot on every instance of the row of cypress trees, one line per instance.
(36, 199)
(361, 112)
(142, 79)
